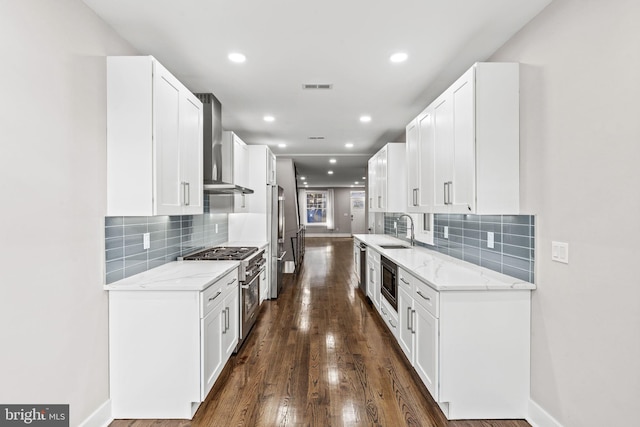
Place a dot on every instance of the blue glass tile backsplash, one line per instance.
(170, 237)
(514, 240)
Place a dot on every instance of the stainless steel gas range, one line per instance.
(252, 264)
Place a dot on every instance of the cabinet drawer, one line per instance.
(211, 296)
(390, 317)
(426, 296)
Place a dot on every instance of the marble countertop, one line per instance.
(442, 272)
(176, 276)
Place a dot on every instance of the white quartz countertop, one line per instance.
(442, 272)
(176, 276)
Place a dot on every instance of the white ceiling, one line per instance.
(346, 43)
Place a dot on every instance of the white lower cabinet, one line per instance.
(470, 348)
(373, 277)
(167, 348)
(406, 320)
(426, 349)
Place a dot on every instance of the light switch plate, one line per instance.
(446, 232)
(146, 241)
(490, 239)
(560, 252)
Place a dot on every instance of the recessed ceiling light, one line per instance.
(351, 185)
(237, 57)
(282, 145)
(365, 119)
(348, 145)
(398, 57)
(303, 178)
(330, 172)
(364, 177)
(356, 183)
(269, 118)
(332, 160)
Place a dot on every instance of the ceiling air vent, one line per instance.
(316, 137)
(317, 86)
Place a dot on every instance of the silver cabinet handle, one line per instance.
(232, 282)
(404, 281)
(215, 296)
(244, 202)
(379, 201)
(413, 330)
(425, 297)
(245, 286)
(409, 327)
(391, 323)
(370, 202)
(382, 309)
(187, 192)
(227, 316)
(449, 192)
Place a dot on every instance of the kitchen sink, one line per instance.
(394, 247)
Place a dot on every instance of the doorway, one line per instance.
(358, 222)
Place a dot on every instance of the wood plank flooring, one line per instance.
(319, 356)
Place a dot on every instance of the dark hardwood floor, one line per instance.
(319, 356)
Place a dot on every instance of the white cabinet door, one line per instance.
(381, 180)
(356, 260)
(231, 311)
(240, 173)
(372, 168)
(212, 352)
(425, 195)
(406, 318)
(427, 349)
(413, 165)
(166, 108)
(191, 154)
(443, 150)
(271, 168)
(461, 191)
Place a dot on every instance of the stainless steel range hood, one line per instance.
(218, 154)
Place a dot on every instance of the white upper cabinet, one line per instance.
(241, 171)
(388, 179)
(463, 149)
(154, 141)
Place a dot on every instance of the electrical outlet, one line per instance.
(395, 225)
(490, 239)
(216, 228)
(446, 232)
(146, 241)
(560, 252)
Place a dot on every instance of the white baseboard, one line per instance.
(538, 417)
(101, 417)
(328, 235)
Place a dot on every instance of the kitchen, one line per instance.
(577, 174)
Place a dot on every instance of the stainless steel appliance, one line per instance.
(252, 264)
(217, 152)
(389, 288)
(277, 239)
(363, 269)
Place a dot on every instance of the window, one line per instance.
(316, 207)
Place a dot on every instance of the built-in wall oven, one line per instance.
(389, 288)
(252, 264)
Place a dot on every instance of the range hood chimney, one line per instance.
(218, 154)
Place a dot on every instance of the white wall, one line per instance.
(580, 154)
(53, 311)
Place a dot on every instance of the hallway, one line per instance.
(320, 356)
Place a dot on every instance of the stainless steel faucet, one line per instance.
(413, 234)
